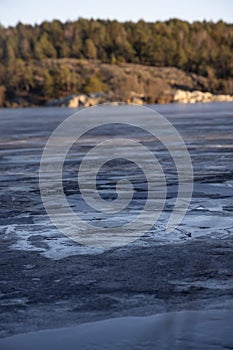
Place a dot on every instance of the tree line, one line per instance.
(204, 48)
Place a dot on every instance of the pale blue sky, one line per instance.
(36, 11)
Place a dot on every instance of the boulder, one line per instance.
(181, 96)
(137, 101)
(73, 102)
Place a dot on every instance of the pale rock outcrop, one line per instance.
(182, 96)
(136, 101)
(222, 98)
(81, 100)
(76, 101)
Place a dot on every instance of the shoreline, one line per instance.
(98, 82)
(93, 99)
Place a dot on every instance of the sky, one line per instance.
(36, 11)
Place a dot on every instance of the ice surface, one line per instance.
(204, 330)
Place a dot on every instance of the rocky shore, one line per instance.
(179, 96)
(182, 96)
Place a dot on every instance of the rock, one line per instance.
(90, 102)
(81, 100)
(135, 98)
(222, 98)
(183, 96)
(137, 101)
(180, 96)
(73, 102)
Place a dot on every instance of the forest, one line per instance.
(33, 59)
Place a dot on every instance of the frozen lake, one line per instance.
(49, 281)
